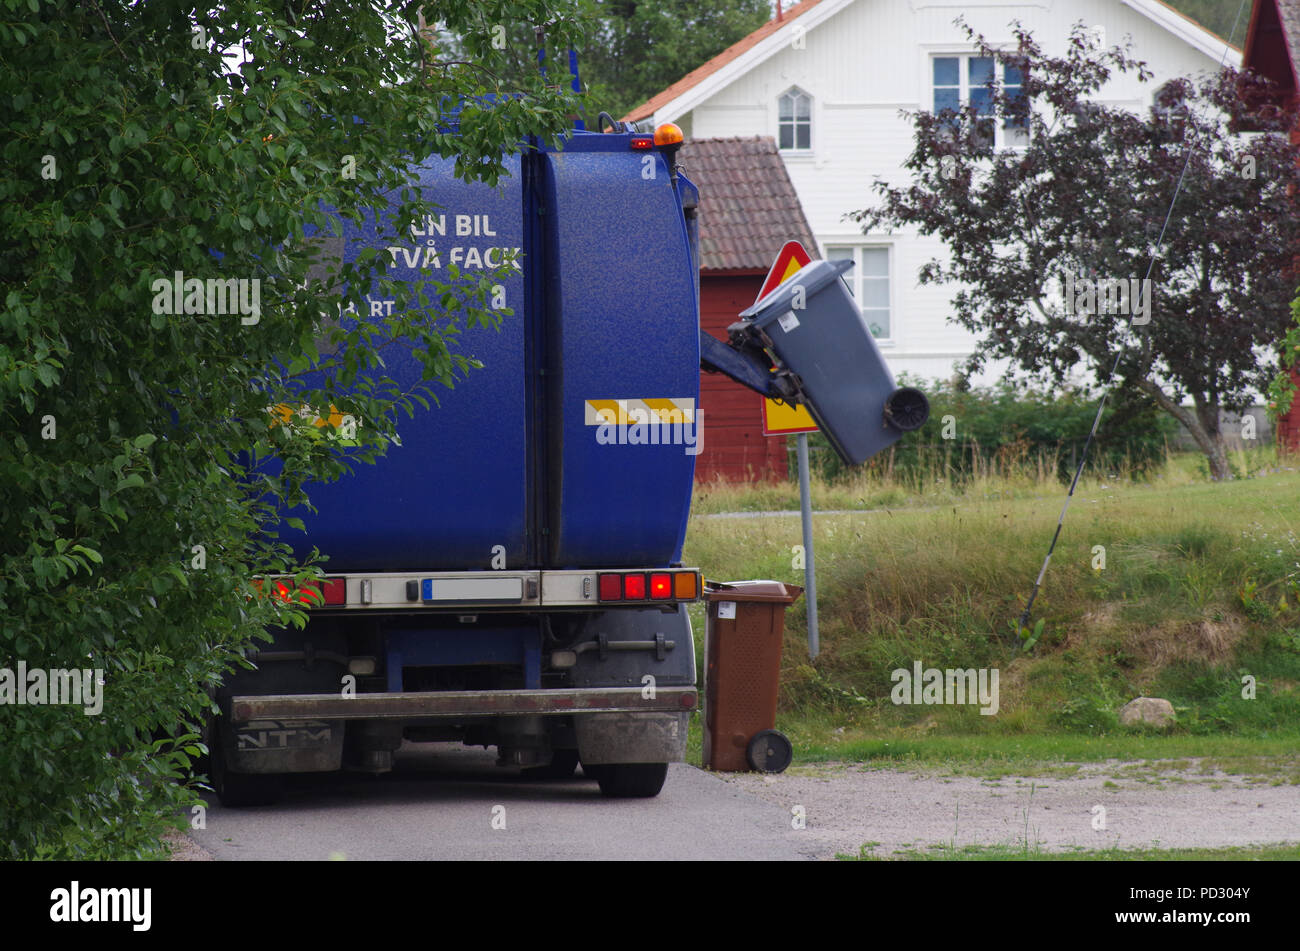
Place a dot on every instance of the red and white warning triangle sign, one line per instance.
(780, 419)
(789, 260)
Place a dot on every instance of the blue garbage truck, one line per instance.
(510, 574)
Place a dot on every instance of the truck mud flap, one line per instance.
(282, 745)
(631, 738)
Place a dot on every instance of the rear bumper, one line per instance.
(403, 592)
(410, 706)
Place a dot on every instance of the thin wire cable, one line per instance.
(1110, 378)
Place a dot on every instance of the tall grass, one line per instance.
(1201, 581)
(935, 480)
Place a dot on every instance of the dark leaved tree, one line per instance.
(1051, 241)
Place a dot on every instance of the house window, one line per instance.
(869, 282)
(963, 79)
(794, 120)
(1170, 107)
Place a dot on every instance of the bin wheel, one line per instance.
(769, 751)
(907, 409)
(631, 780)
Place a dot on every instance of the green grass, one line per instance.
(866, 491)
(945, 852)
(1200, 589)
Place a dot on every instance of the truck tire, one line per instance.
(631, 780)
(238, 790)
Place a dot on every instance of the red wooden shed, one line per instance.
(748, 210)
(1273, 50)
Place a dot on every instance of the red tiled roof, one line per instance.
(697, 76)
(748, 205)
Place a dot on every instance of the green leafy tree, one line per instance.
(1050, 243)
(641, 48)
(633, 49)
(145, 139)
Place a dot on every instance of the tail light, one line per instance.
(631, 586)
(327, 591)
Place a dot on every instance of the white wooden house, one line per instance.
(828, 81)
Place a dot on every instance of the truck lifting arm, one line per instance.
(745, 368)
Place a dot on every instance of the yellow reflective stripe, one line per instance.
(671, 411)
(604, 412)
(626, 412)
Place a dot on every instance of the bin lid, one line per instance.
(811, 278)
(753, 591)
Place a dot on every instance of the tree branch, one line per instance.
(109, 30)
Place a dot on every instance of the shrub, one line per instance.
(1006, 430)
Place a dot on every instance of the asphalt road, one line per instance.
(441, 801)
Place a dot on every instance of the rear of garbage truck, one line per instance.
(510, 574)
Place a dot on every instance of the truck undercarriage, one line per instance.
(612, 690)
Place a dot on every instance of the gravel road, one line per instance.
(846, 807)
(441, 802)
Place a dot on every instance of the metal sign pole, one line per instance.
(810, 579)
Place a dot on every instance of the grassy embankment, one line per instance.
(1201, 587)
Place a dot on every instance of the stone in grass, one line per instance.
(1151, 711)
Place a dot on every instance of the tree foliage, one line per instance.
(1091, 199)
(633, 48)
(134, 502)
(1009, 429)
(638, 49)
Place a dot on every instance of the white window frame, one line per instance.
(856, 275)
(963, 57)
(794, 122)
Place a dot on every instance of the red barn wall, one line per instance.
(1267, 53)
(735, 448)
(1288, 426)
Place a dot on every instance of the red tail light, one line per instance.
(655, 586)
(334, 590)
(329, 591)
(611, 587)
(634, 587)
